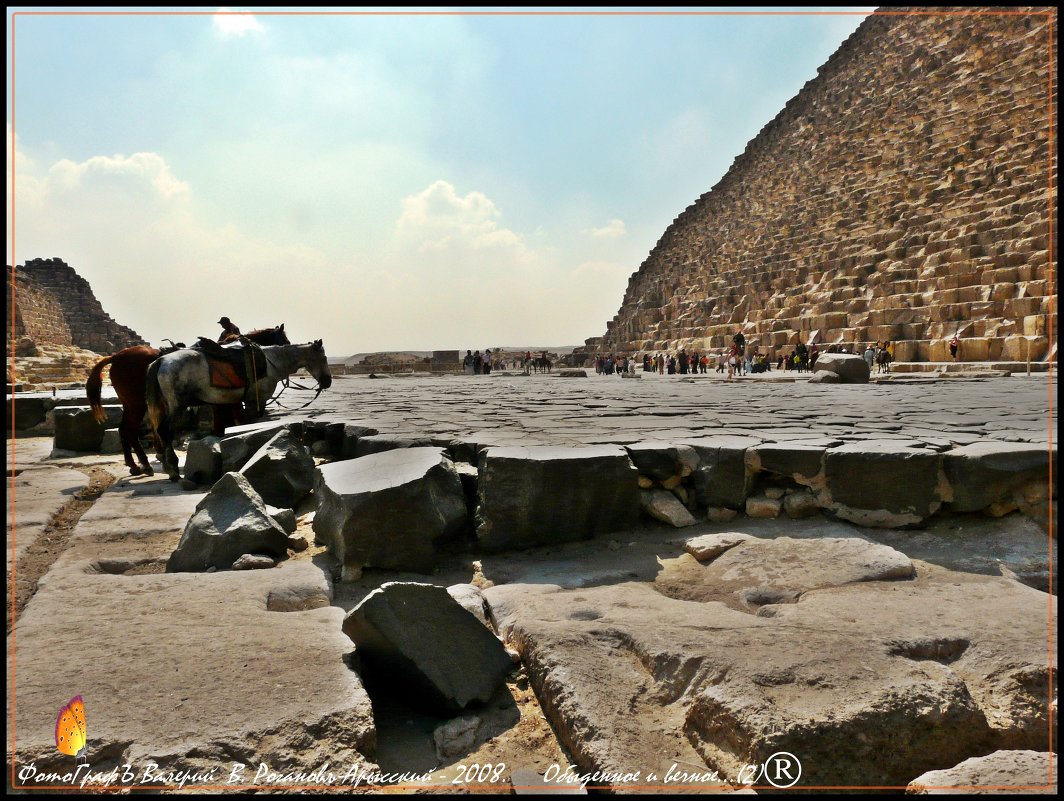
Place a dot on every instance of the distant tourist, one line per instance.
(467, 363)
(228, 329)
(869, 356)
(478, 363)
(954, 346)
(486, 366)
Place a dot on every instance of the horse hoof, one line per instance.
(148, 471)
(134, 470)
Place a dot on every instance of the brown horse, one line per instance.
(129, 369)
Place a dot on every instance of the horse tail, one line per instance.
(93, 389)
(153, 396)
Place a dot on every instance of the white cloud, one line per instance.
(439, 219)
(612, 230)
(147, 166)
(229, 22)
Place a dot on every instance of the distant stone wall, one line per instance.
(902, 195)
(55, 306)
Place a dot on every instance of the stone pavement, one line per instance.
(514, 409)
(194, 671)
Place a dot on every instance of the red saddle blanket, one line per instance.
(225, 376)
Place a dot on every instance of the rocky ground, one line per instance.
(650, 659)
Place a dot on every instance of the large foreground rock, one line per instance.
(866, 681)
(230, 521)
(538, 495)
(994, 774)
(418, 639)
(849, 367)
(389, 509)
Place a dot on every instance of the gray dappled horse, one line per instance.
(182, 379)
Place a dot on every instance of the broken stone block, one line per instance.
(470, 598)
(662, 461)
(239, 447)
(352, 433)
(77, 430)
(281, 471)
(389, 509)
(985, 473)
(456, 736)
(763, 506)
(417, 639)
(285, 518)
(722, 477)
(203, 461)
(710, 546)
(800, 504)
(537, 495)
(799, 462)
(849, 367)
(230, 521)
(666, 507)
(882, 483)
(251, 561)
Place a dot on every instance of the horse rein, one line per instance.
(285, 384)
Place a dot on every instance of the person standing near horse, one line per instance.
(229, 330)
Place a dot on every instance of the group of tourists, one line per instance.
(740, 359)
(477, 363)
(878, 356)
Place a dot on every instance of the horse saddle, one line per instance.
(232, 366)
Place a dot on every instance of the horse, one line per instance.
(541, 364)
(129, 369)
(182, 379)
(260, 336)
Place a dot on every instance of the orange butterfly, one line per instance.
(70, 728)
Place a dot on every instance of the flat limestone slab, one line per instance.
(190, 671)
(34, 496)
(755, 571)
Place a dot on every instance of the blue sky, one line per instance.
(381, 181)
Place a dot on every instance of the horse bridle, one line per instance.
(285, 383)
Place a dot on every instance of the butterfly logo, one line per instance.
(70, 728)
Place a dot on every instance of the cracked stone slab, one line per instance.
(868, 683)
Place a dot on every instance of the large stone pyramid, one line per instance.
(902, 195)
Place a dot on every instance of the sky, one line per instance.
(381, 180)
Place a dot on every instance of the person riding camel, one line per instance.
(228, 329)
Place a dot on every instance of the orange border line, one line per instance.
(1050, 15)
